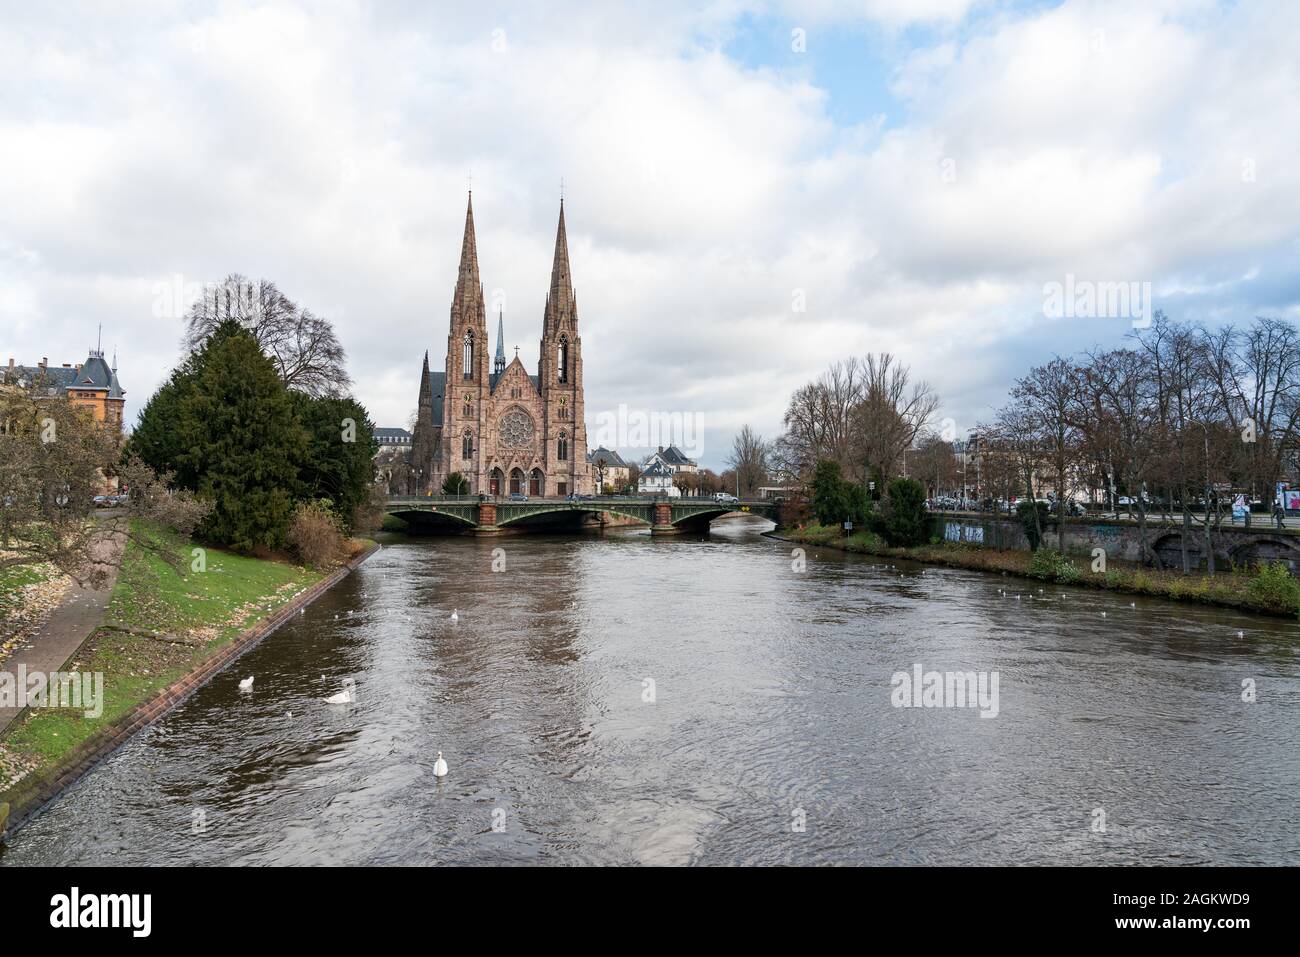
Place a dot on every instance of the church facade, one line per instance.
(500, 428)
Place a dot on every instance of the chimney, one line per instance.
(67, 365)
(45, 361)
(78, 368)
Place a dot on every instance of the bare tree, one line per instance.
(892, 413)
(748, 457)
(1050, 397)
(302, 345)
(54, 458)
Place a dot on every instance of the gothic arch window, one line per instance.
(467, 445)
(562, 448)
(468, 356)
(562, 359)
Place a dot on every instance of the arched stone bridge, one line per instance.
(490, 516)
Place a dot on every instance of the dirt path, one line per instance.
(72, 622)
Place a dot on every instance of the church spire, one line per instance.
(467, 300)
(499, 363)
(559, 301)
(468, 250)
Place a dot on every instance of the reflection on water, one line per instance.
(770, 693)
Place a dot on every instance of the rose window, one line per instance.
(516, 429)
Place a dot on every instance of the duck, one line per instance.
(347, 695)
(439, 767)
(246, 684)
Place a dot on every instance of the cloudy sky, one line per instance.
(752, 189)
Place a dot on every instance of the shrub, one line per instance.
(903, 518)
(1051, 565)
(315, 534)
(1274, 587)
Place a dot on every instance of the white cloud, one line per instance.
(329, 149)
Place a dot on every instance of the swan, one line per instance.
(347, 695)
(246, 684)
(455, 614)
(440, 767)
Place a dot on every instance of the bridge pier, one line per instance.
(487, 520)
(663, 520)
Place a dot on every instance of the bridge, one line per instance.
(490, 515)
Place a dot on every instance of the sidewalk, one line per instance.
(72, 622)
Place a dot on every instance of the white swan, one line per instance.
(440, 767)
(246, 684)
(347, 695)
(455, 614)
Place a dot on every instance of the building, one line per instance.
(657, 479)
(91, 385)
(672, 458)
(393, 442)
(503, 429)
(609, 469)
(670, 461)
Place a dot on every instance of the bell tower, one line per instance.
(468, 386)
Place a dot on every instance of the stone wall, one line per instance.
(1122, 540)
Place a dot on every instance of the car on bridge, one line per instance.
(724, 497)
(518, 497)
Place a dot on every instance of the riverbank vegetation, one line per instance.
(1269, 589)
(174, 604)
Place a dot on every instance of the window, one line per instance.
(562, 360)
(561, 488)
(468, 359)
(467, 445)
(562, 448)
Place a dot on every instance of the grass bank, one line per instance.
(1270, 590)
(163, 619)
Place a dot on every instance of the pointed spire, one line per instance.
(499, 363)
(561, 282)
(467, 300)
(559, 301)
(469, 250)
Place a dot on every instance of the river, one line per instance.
(627, 699)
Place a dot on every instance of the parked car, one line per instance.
(724, 497)
(103, 501)
(518, 497)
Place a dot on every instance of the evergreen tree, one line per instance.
(903, 516)
(158, 436)
(339, 464)
(245, 444)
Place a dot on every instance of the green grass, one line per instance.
(211, 607)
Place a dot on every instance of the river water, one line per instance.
(623, 699)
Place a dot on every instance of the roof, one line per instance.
(94, 374)
(656, 469)
(494, 377)
(382, 434)
(612, 459)
(437, 385)
(675, 456)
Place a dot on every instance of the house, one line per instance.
(393, 442)
(657, 479)
(609, 469)
(674, 459)
(90, 385)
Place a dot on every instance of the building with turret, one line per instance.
(504, 430)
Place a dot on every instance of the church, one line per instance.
(503, 430)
